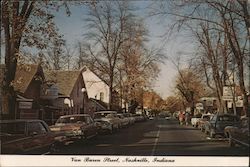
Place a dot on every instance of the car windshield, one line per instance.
(12, 128)
(245, 123)
(101, 115)
(206, 117)
(73, 119)
(120, 116)
(126, 115)
(227, 118)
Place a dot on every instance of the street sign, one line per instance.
(199, 106)
(228, 92)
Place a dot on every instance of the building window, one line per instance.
(101, 96)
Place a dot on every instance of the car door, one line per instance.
(212, 123)
(39, 139)
(226, 120)
(90, 128)
(14, 138)
(242, 134)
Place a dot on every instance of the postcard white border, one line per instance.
(84, 161)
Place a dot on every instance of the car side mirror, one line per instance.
(33, 133)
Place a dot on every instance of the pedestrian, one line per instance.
(187, 118)
(181, 118)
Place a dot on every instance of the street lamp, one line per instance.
(83, 90)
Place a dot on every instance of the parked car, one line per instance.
(109, 121)
(130, 117)
(218, 122)
(26, 137)
(78, 126)
(201, 122)
(238, 135)
(138, 117)
(168, 117)
(195, 120)
(124, 120)
(151, 117)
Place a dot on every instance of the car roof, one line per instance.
(105, 112)
(222, 114)
(75, 115)
(20, 120)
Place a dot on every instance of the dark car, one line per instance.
(26, 137)
(238, 135)
(77, 126)
(218, 122)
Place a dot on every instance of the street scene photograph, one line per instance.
(125, 78)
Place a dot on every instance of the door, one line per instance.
(90, 128)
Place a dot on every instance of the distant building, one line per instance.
(97, 90)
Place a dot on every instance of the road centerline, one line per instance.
(156, 141)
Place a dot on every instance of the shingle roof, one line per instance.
(24, 75)
(65, 80)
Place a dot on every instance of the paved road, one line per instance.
(158, 137)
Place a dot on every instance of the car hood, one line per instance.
(66, 127)
(103, 119)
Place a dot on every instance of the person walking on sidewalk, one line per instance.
(187, 118)
(181, 118)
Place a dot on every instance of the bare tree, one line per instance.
(137, 64)
(222, 28)
(106, 22)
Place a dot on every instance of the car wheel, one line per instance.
(211, 134)
(231, 142)
(83, 136)
(54, 148)
(111, 131)
(202, 129)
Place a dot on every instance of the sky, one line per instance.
(73, 29)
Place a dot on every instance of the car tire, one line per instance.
(211, 134)
(111, 131)
(83, 136)
(231, 142)
(53, 148)
(202, 129)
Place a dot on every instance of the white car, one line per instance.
(151, 118)
(130, 117)
(124, 120)
(109, 121)
(195, 120)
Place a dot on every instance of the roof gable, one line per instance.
(25, 73)
(89, 74)
(65, 80)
